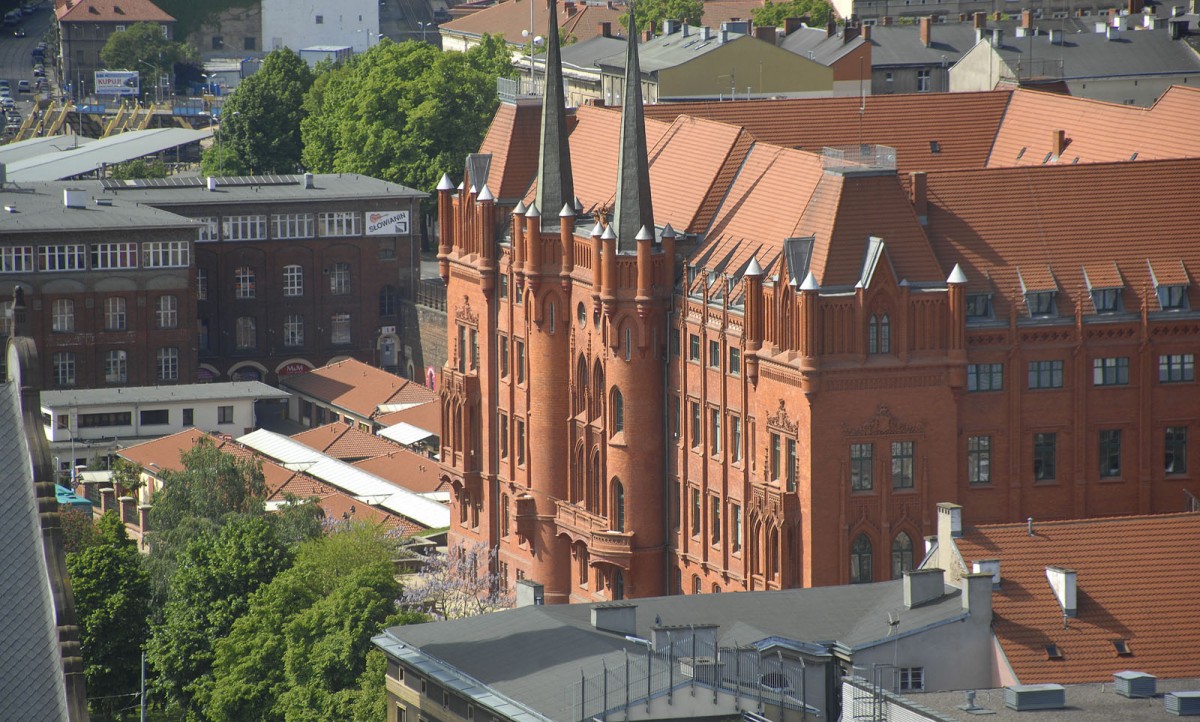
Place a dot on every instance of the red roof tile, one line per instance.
(426, 416)
(111, 11)
(357, 387)
(690, 158)
(345, 442)
(406, 469)
(508, 19)
(512, 139)
(1138, 580)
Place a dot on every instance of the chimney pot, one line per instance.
(926, 25)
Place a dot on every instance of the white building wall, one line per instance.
(293, 23)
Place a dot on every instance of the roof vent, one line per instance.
(75, 198)
(212, 183)
(530, 593)
(616, 617)
(104, 201)
(1025, 697)
(1182, 704)
(10, 209)
(1135, 684)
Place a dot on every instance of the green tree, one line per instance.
(402, 112)
(139, 168)
(301, 651)
(142, 45)
(208, 592)
(127, 475)
(260, 121)
(112, 596)
(774, 15)
(650, 14)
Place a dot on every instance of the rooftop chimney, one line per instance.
(866, 33)
(1027, 19)
(977, 595)
(569, 7)
(705, 32)
(922, 586)
(1058, 143)
(1150, 22)
(1113, 32)
(997, 37)
(949, 518)
(979, 20)
(767, 35)
(1062, 581)
(831, 28)
(1101, 27)
(1056, 36)
(724, 36)
(212, 183)
(885, 21)
(308, 181)
(791, 25)
(926, 25)
(990, 567)
(75, 198)
(606, 29)
(530, 593)
(1178, 28)
(670, 27)
(616, 617)
(920, 201)
(1136, 6)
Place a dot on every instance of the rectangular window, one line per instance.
(1045, 456)
(16, 259)
(979, 460)
(65, 257)
(106, 256)
(1045, 374)
(1110, 371)
(714, 354)
(776, 461)
(168, 364)
(979, 306)
(791, 470)
(902, 464)
(115, 318)
(155, 417)
(167, 312)
(1173, 368)
(520, 443)
(1106, 300)
(693, 348)
(293, 281)
(246, 333)
(1172, 298)
(503, 287)
(340, 328)
(291, 225)
(201, 284)
(1040, 303)
(339, 224)
(694, 415)
(520, 360)
(166, 254)
(339, 279)
(985, 377)
(208, 228)
(1175, 459)
(912, 679)
(735, 438)
(114, 418)
(244, 228)
(293, 330)
(714, 431)
(503, 435)
(714, 520)
(695, 530)
(189, 417)
(923, 81)
(503, 354)
(735, 362)
(1110, 453)
(862, 467)
(116, 367)
(674, 417)
(243, 282)
(735, 528)
(224, 414)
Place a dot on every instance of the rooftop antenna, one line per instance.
(862, 101)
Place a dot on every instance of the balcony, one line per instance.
(578, 523)
(614, 547)
(604, 545)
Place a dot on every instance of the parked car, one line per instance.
(39, 71)
(23, 86)
(19, 33)
(5, 92)
(8, 102)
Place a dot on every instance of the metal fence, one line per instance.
(431, 292)
(693, 667)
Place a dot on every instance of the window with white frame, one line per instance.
(166, 254)
(116, 367)
(62, 315)
(293, 280)
(64, 257)
(243, 282)
(115, 318)
(911, 679)
(16, 259)
(244, 228)
(201, 284)
(923, 81)
(247, 335)
(107, 256)
(339, 223)
(292, 225)
(168, 364)
(167, 312)
(64, 368)
(293, 330)
(339, 279)
(208, 229)
(340, 328)
(1173, 368)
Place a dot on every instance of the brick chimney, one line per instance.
(997, 16)
(831, 28)
(569, 8)
(606, 30)
(791, 25)
(920, 194)
(1058, 142)
(767, 35)
(926, 25)
(866, 33)
(1027, 18)
(849, 33)
(885, 21)
(979, 20)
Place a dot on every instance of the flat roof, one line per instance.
(193, 190)
(22, 149)
(40, 207)
(1084, 702)
(160, 394)
(89, 157)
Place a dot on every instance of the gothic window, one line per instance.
(618, 411)
(902, 555)
(860, 561)
(879, 334)
(618, 506)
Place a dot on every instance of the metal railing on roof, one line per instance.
(866, 156)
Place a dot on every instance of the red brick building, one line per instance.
(769, 375)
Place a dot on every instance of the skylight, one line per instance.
(1053, 652)
(1122, 647)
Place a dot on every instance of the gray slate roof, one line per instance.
(32, 686)
(816, 45)
(38, 207)
(585, 54)
(230, 390)
(1092, 55)
(533, 655)
(901, 44)
(669, 51)
(194, 190)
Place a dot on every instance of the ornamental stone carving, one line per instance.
(883, 423)
(465, 314)
(780, 419)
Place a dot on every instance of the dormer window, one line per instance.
(1106, 300)
(1040, 303)
(1172, 298)
(979, 306)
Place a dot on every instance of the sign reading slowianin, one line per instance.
(387, 223)
(117, 82)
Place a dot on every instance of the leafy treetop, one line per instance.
(650, 14)
(142, 45)
(771, 14)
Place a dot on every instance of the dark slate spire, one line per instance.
(633, 209)
(555, 183)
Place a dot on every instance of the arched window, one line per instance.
(860, 560)
(581, 386)
(581, 554)
(697, 587)
(617, 519)
(597, 408)
(505, 520)
(618, 585)
(902, 555)
(581, 313)
(550, 316)
(618, 411)
(628, 343)
(577, 476)
(593, 499)
(773, 553)
(716, 588)
(873, 334)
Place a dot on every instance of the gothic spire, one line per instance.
(555, 183)
(633, 208)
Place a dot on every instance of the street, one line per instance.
(403, 20)
(16, 61)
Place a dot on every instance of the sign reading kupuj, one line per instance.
(387, 223)
(117, 82)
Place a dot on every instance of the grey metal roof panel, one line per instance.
(584, 54)
(901, 44)
(104, 152)
(669, 51)
(13, 152)
(816, 45)
(1093, 55)
(230, 390)
(32, 686)
(194, 190)
(39, 207)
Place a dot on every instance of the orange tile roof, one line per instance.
(111, 11)
(1097, 131)
(963, 124)
(691, 158)
(338, 505)
(406, 469)
(719, 11)
(357, 387)
(512, 139)
(345, 442)
(1051, 221)
(1138, 580)
(426, 416)
(508, 19)
(164, 454)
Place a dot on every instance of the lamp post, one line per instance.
(157, 84)
(424, 27)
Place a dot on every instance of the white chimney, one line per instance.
(212, 183)
(1150, 22)
(1023, 32)
(1101, 26)
(1062, 581)
(308, 181)
(75, 198)
(1113, 33)
(949, 520)
(988, 566)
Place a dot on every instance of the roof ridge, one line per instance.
(1101, 519)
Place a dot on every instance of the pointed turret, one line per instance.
(633, 207)
(555, 185)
